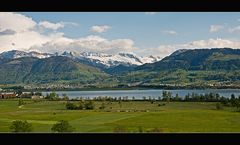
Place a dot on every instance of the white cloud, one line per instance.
(28, 37)
(165, 50)
(69, 23)
(234, 29)
(49, 25)
(170, 32)
(21, 31)
(150, 13)
(100, 28)
(90, 43)
(215, 28)
(15, 22)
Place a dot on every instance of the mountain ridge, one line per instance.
(193, 67)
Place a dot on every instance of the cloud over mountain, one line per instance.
(20, 32)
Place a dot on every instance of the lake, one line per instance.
(139, 94)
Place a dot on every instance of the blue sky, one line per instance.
(145, 29)
(148, 31)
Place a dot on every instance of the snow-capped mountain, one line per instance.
(90, 58)
(109, 60)
(17, 54)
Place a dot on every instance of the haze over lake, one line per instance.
(139, 94)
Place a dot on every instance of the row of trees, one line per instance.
(211, 97)
(194, 97)
(88, 105)
(24, 126)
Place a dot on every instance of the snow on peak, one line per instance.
(109, 60)
(17, 54)
(103, 59)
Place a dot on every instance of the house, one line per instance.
(8, 95)
(36, 97)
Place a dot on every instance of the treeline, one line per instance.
(194, 97)
(208, 97)
(88, 105)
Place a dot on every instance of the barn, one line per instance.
(8, 96)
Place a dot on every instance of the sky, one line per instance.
(140, 33)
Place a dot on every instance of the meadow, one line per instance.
(128, 116)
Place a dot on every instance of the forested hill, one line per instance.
(198, 59)
(47, 70)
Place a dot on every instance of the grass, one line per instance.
(130, 116)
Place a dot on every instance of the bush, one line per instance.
(219, 106)
(89, 105)
(62, 126)
(162, 104)
(65, 97)
(20, 102)
(71, 106)
(81, 105)
(102, 106)
(52, 96)
(20, 126)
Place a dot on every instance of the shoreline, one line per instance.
(116, 89)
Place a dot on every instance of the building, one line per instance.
(8, 96)
(36, 97)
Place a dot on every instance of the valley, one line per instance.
(197, 68)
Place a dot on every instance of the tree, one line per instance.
(71, 106)
(166, 96)
(102, 106)
(89, 105)
(177, 98)
(233, 100)
(52, 96)
(81, 105)
(65, 97)
(237, 104)
(169, 96)
(62, 126)
(20, 126)
(187, 97)
(217, 96)
(38, 93)
(20, 102)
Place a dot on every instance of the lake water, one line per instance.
(139, 94)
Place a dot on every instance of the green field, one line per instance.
(130, 116)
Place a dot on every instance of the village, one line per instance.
(12, 95)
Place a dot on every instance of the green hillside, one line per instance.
(48, 70)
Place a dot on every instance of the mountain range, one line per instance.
(91, 58)
(184, 66)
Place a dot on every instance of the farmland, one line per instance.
(128, 116)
